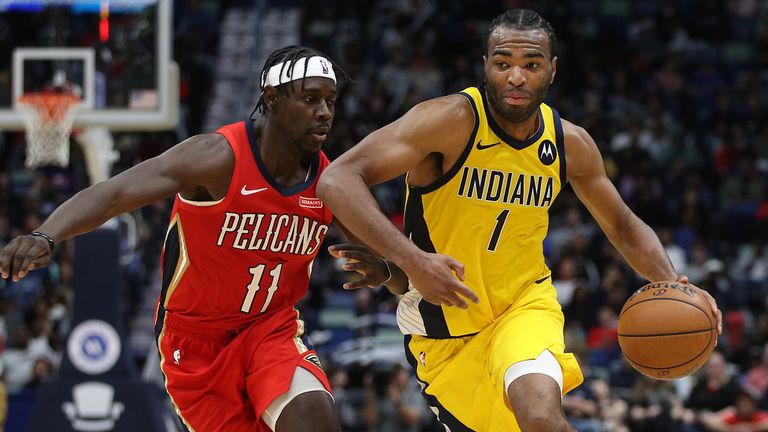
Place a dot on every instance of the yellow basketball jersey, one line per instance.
(490, 212)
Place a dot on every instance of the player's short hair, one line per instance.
(290, 55)
(523, 19)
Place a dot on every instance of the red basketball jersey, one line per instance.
(228, 262)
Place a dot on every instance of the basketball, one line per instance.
(667, 330)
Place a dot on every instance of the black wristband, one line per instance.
(47, 238)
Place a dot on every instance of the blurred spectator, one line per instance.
(580, 311)
(565, 280)
(603, 339)
(613, 410)
(582, 409)
(20, 359)
(615, 286)
(674, 251)
(655, 407)
(757, 377)
(751, 265)
(347, 411)
(717, 388)
(563, 235)
(394, 402)
(41, 369)
(744, 416)
(755, 339)
(697, 269)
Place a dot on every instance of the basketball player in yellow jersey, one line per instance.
(483, 168)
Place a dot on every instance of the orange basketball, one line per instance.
(667, 330)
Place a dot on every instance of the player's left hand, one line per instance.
(372, 271)
(22, 255)
(710, 300)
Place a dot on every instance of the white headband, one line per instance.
(315, 67)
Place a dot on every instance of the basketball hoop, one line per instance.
(48, 119)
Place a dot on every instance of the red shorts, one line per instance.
(222, 380)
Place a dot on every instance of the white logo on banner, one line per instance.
(93, 347)
(93, 408)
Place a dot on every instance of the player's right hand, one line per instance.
(22, 255)
(438, 279)
(372, 271)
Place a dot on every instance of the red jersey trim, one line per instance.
(234, 134)
(315, 167)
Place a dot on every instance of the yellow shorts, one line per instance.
(464, 377)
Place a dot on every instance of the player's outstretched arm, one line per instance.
(635, 240)
(203, 161)
(386, 154)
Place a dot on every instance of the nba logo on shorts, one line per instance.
(325, 66)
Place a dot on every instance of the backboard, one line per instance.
(114, 54)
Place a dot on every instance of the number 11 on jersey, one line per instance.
(254, 286)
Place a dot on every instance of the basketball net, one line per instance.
(48, 119)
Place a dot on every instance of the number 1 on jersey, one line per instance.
(254, 286)
(500, 219)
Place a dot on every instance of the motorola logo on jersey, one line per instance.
(282, 233)
(547, 152)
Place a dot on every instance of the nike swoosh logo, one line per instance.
(483, 147)
(245, 191)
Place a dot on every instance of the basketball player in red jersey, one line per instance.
(245, 228)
